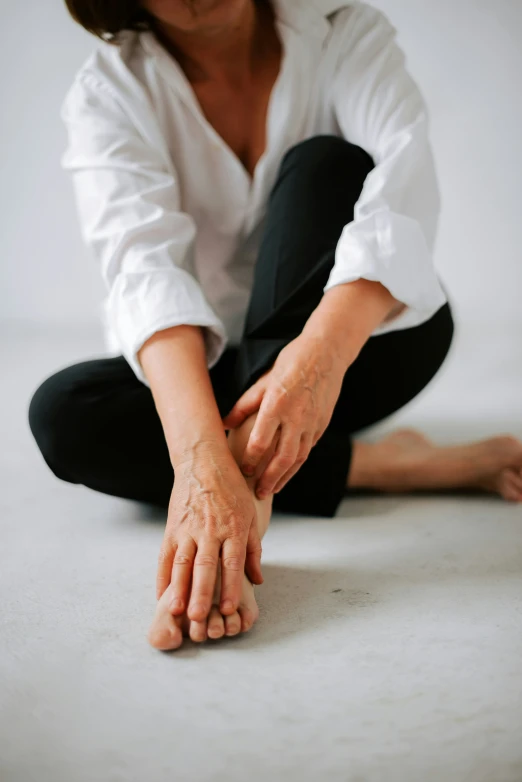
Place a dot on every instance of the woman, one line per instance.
(256, 181)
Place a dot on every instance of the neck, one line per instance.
(224, 52)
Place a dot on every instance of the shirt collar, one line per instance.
(307, 18)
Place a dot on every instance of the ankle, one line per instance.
(362, 465)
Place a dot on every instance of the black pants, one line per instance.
(96, 424)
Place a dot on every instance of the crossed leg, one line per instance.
(167, 631)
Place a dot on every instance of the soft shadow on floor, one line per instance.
(298, 601)
(293, 600)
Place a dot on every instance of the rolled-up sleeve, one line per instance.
(379, 107)
(128, 205)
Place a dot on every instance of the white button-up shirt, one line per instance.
(173, 218)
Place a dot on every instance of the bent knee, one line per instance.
(52, 414)
(324, 149)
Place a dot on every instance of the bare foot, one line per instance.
(167, 631)
(407, 460)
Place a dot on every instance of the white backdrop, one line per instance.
(467, 58)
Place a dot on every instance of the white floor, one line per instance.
(389, 641)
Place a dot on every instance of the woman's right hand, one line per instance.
(211, 516)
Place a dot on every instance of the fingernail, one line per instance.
(227, 605)
(248, 470)
(262, 495)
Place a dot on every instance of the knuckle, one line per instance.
(205, 560)
(182, 559)
(163, 556)
(233, 563)
(256, 447)
(204, 596)
(235, 526)
(282, 391)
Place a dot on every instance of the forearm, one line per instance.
(174, 363)
(347, 315)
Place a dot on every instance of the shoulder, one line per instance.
(356, 19)
(107, 76)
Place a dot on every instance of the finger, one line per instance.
(317, 436)
(248, 404)
(259, 441)
(233, 557)
(165, 631)
(203, 580)
(253, 556)
(283, 460)
(164, 574)
(182, 575)
(302, 456)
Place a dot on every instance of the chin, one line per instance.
(218, 11)
(195, 14)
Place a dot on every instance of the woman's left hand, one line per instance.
(295, 399)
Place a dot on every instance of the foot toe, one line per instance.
(233, 624)
(198, 631)
(511, 486)
(248, 618)
(165, 636)
(216, 624)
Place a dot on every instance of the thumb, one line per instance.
(248, 404)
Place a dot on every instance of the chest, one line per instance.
(239, 114)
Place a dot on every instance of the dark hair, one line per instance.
(108, 18)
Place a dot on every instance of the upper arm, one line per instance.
(379, 107)
(128, 204)
(127, 200)
(374, 93)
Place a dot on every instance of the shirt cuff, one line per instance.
(141, 304)
(391, 250)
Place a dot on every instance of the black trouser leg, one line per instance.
(317, 187)
(96, 423)
(314, 197)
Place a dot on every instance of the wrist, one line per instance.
(347, 315)
(209, 451)
(341, 347)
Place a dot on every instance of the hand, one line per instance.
(295, 399)
(211, 517)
